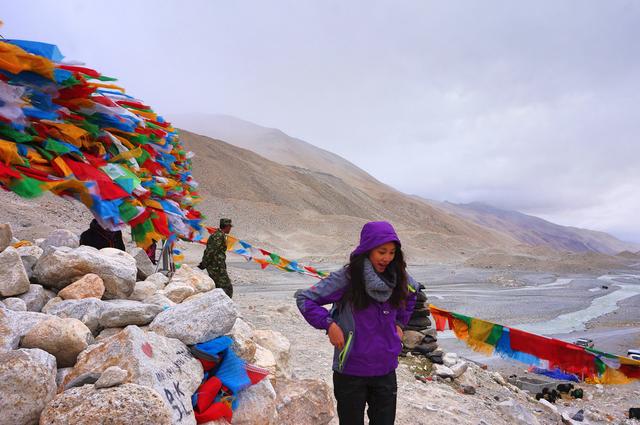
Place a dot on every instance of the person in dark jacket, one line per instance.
(373, 298)
(99, 237)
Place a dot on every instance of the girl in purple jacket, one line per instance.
(373, 298)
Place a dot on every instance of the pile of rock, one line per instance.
(82, 340)
(419, 337)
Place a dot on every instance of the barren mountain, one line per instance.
(279, 147)
(308, 203)
(307, 213)
(536, 231)
(299, 212)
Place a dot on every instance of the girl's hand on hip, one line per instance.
(336, 336)
(399, 332)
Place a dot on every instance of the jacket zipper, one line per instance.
(345, 351)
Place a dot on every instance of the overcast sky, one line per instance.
(533, 106)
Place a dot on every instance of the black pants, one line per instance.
(378, 392)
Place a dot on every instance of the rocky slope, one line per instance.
(93, 336)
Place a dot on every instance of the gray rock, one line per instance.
(61, 266)
(28, 383)
(15, 304)
(159, 299)
(158, 279)
(199, 320)
(177, 293)
(517, 413)
(279, 345)
(450, 359)
(145, 267)
(307, 401)
(13, 276)
(243, 345)
(412, 338)
(442, 371)
(552, 407)
(257, 405)
(15, 324)
(428, 339)
(29, 255)
(498, 378)
(124, 404)
(163, 364)
(53, 301)
(426, 347)
(459, 368)
(431, 333)
(111, 377)
(61, 237)
(437, 358)
(6, 236)
(106, 333)
(36, 297)
(63, 338)
(143, 290)
(121, 313)
(468, 389)
(197, 279)
(578, 416)
(87, 310)
(194, 296)
(61, 374)
(87, 378)
(265, 359)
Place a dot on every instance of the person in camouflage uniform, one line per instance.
(215, 256)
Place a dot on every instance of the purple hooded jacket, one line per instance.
(372, 344)
(374, 234)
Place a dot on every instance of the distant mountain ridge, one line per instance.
(514, 227)
(303, 212)
(534, 231)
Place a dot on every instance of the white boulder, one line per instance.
(28, 383)
(198, 320)
(13, 276)
(61, 266)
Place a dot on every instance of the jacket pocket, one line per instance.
(344, 354)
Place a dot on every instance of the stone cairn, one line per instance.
(420, 337)
(93, 336)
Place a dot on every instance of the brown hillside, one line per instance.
(314, 214)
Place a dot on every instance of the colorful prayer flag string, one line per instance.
(489, 338)
(67, 130)
(266, 258)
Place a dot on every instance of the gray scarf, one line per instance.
(376, 286)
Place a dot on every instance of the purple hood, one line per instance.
(374, 234)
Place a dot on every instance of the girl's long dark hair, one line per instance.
(397, 269)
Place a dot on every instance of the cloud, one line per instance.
(530, 106)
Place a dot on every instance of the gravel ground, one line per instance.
(265, 298)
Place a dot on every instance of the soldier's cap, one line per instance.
(225, 222)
